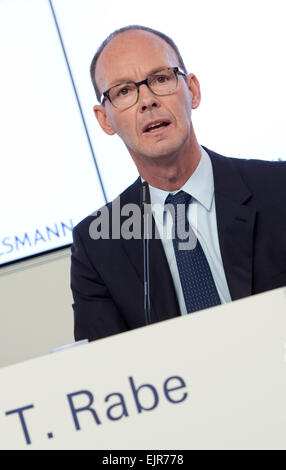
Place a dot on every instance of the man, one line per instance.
(236, 208)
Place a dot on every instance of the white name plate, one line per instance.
(211, 380)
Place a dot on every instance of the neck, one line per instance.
(170, 172)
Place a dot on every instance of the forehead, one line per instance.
(132, 55)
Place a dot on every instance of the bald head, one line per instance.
(147, 33)
(131, 56)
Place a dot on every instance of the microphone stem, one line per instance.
(147, 307)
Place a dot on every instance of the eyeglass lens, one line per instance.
(162, 82)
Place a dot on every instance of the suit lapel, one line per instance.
(163, 298)
(235, 223)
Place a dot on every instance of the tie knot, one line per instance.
(180, 198)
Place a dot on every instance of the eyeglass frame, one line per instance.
(176, 70)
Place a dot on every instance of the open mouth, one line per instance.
(155, 126)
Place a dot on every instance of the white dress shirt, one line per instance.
(202, 219)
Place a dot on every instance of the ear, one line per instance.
(195, 90)
(101, 116)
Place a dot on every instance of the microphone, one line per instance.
(145, 204)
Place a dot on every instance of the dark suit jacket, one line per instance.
(107, 275)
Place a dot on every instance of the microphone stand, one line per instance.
(145, 202)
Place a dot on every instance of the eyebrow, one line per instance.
(126, 79)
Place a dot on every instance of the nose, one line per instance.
(147, 99)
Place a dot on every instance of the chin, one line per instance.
(160, 152)
(165, 151)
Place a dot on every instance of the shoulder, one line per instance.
(129, 195)
(246, 164)
(254, 172)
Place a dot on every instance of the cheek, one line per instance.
(186, 115)
(127, 133)
(124, 126)
(187, 106)
(181, 107)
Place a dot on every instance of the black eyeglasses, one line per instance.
(162, 82)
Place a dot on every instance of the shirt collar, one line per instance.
(200, 186)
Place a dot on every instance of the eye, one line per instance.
(162, 78)
(124, 90)
(159, 79)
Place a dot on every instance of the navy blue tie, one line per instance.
(196, 278)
